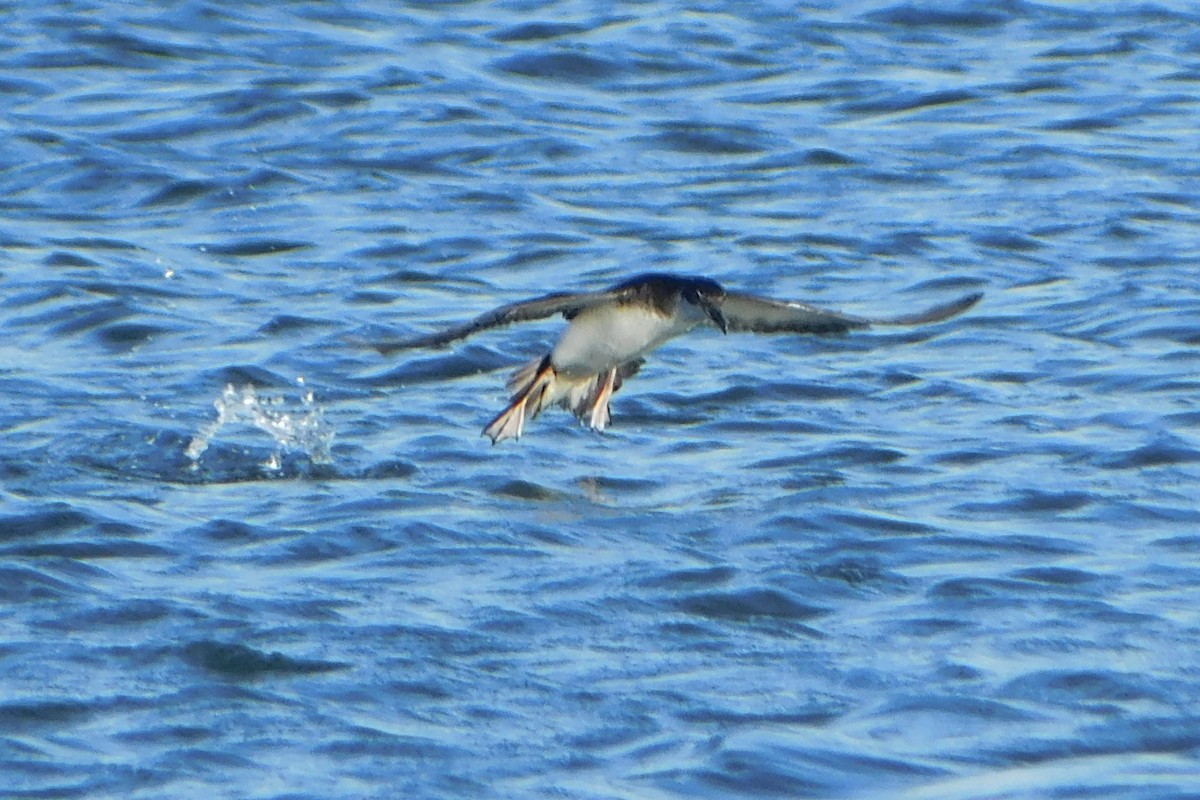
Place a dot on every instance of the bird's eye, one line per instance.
(691, 295)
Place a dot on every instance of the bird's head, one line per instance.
(707, 295)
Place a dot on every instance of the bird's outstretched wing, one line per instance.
(566, 303)
(747, 312)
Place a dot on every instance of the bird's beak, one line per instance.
(714, 313)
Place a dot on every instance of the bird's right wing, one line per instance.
(747, 312)
(565, 303)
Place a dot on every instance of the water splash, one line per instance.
(304, 430)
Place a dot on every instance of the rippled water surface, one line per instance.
(241, 553)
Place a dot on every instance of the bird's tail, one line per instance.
(537, 385)
(588, 399)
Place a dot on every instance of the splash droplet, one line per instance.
(303, 430)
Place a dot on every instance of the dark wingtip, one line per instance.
(937, 313)
(387, 347)
(384, 348)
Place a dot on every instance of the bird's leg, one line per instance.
(533, 388)
(600, 415)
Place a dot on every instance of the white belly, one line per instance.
(605, 337)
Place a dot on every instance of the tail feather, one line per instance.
(589, 400)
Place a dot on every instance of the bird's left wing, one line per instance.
(565, 303)
(747, 312)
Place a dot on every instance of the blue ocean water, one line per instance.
(241, 554)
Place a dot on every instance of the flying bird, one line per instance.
(610, 331)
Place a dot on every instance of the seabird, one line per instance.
(611, 330)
